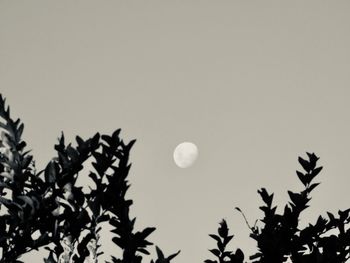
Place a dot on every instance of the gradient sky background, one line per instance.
(253, 83)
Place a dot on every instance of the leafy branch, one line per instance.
(223, 255)
(48, 207)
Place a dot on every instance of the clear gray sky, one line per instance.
(253, 83)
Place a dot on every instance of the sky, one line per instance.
(254, 84)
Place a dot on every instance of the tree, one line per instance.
(47, 207)
(281, 237)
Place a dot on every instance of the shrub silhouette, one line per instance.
(281, 238)
(48, 208)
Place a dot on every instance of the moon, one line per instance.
(185, 154)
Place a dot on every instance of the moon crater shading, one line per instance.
(185, 154)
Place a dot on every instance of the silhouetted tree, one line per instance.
(47, 207)
(281, 237)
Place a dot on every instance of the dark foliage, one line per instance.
(223, 255)
(281, 238)
(45, 208)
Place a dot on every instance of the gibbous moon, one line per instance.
(185, 154)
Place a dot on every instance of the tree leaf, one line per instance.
(51, 172)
